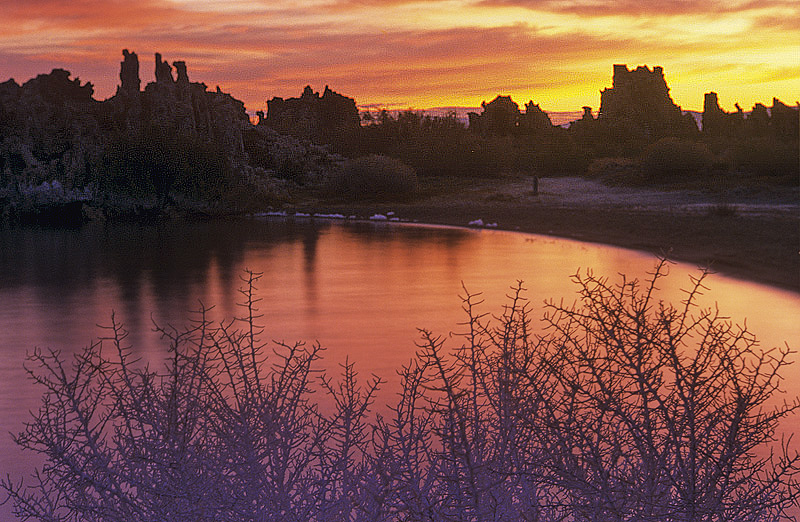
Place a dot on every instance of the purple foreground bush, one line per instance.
(624, 408)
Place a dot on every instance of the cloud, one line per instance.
(649, 8)
(94, 15)
(397, 52)
(424, 68)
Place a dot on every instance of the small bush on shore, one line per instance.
(669, 160)
(375, 177)
(672, 159)
(618, 171)
(773, 159)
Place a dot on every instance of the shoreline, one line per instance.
(752, 239)
(751, 234)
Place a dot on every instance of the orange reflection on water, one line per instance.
(360, 289)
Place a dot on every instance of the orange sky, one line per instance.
(405, 54)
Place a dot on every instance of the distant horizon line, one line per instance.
(558, 118)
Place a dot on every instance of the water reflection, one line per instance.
(360, 289)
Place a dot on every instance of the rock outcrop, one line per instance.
(716, 122)
(174, 106)
(785, 120)
(146, 147)
(499, 117)
(638, 107)
(129, 73)
(49, 129)
(321, 119)
(779, 121)
(502, 117)
(163, 71)
(534, 120)
(586, 130)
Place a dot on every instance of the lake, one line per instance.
(359, 288)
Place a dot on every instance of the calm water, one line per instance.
(360, 289)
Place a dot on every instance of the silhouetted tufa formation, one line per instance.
(502, 117)
(129, 73)
(50, 129)
(163, 71)
(638, 106)
(143, 148)
(321, 119)
(176, 105)
(535, 120)
(779, 121)
(718, 122)
(175, 142)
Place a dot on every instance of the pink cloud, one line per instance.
(264, 53)
(59, 15)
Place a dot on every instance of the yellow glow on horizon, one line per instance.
(424, 54)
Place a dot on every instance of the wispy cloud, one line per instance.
(648, 8)
(412, 53)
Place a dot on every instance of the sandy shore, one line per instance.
(754, 235)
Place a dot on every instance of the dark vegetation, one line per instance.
(157, 163)
(445, 146)
(176, 146)
(623, 408)
(374, 177)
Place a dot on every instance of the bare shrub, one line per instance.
(662, 411)
(626, 408)
(453, 449)
(623, 408)
(227, 431)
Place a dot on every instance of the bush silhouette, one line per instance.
(157, 165)
(673, 159)
(623, 408)
(373, 177)
(767, 157)
(618, 171)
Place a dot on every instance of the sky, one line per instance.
(401, 54)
